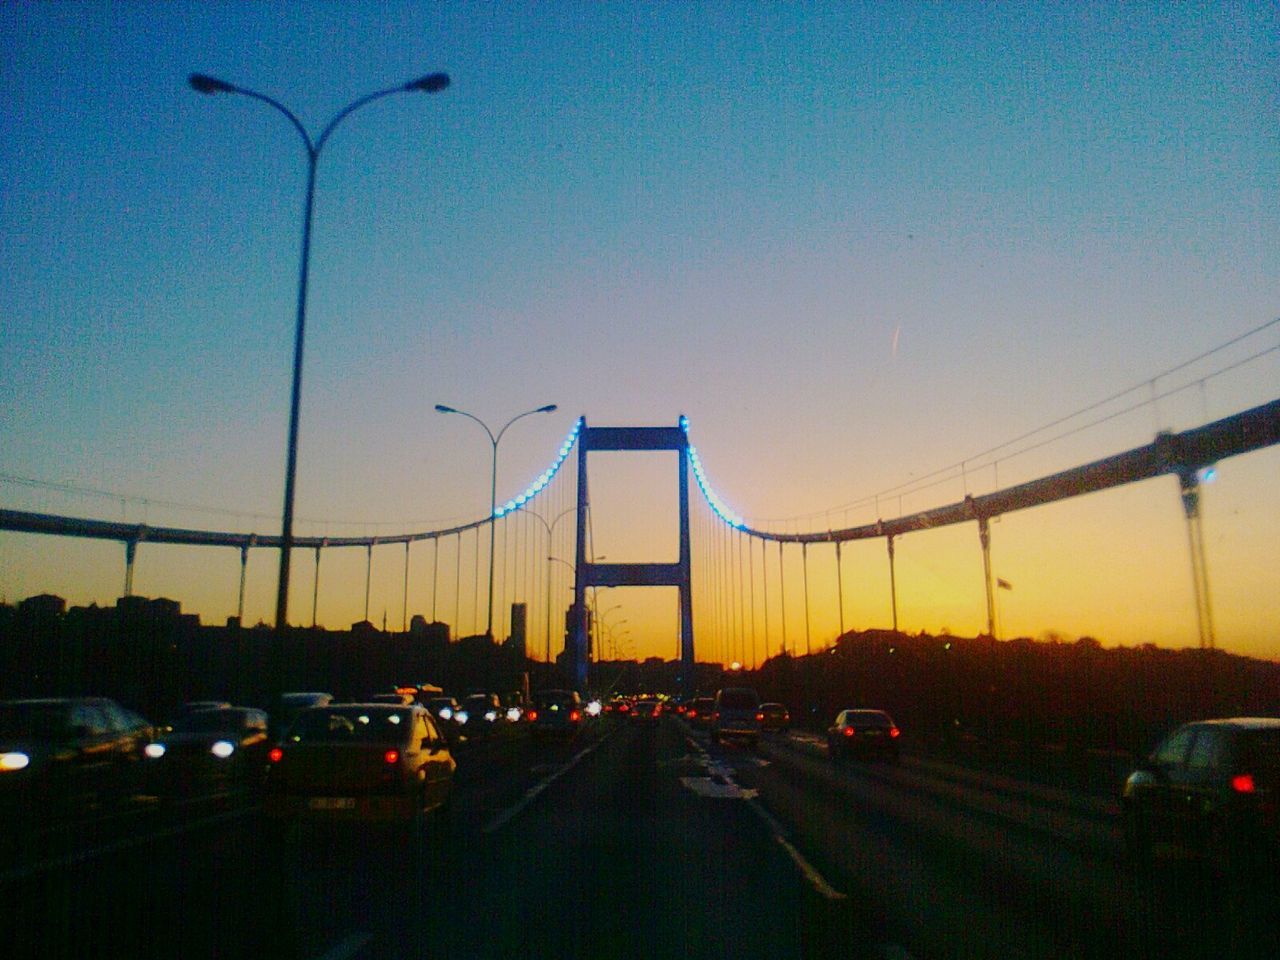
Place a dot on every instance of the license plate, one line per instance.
(332, 803)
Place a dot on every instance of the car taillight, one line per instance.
(391, 756)
(275, 754)
(759, 718)
(848, 731)
(894, 731)
(657, 711)
(1243, 783)
(533, 715)
(715, 715)
(574, 716)
(691, 714)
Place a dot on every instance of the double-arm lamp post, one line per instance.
(202, 83)
(493, 482)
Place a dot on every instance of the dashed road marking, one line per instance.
(506, 816)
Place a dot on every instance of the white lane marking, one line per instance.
(347, 948)
(505, 817)
(84, 856)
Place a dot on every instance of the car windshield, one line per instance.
(35, 721)
(918, 359)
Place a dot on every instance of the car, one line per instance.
(444, 708)
(618, 706)
(480, 713)
(1208, 791)
(68, 756)
(359, 763)
(209, 750)
(191, 706)
(868, 734)
(556, 713)
(699, 710)
(647, 711)
(776, 717)
(736, 715)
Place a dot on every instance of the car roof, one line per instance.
(1243, 723)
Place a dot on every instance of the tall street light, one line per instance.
(203, 83)
(493, 482)
(550, 528)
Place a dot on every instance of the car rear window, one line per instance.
(738, 700)
(351, 726)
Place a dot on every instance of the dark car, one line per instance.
(366, 763)
(736, 715)
(209, 750)
(867, 734)
(699, 710)
(482, 711)
(776, 717)
(67, 756)
(556, 713)
(1209, 791)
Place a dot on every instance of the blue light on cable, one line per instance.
(543, 479)
(719, 506)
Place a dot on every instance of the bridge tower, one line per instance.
(587, 574)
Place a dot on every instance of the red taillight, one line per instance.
(715, 715)
(759, 718)
(894, 731)
(624, 708)
(574, 716)
(275, 754)
(533, 715)
(848, 731)
(691, 714)
(657, 711)
(391, 756)
(1243, 783)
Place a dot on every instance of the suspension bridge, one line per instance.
(726, 571)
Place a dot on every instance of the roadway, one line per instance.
(640, 840)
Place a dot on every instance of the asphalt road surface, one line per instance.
(638, 840)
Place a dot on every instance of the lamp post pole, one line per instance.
(550, 528)
(202, 83)
(493, 482)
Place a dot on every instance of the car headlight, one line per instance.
(446, 713)
(16, 760)
(462, 716)
(593, 708)
(222, 749)
(513, 714)
(491, 715)
(154, 751)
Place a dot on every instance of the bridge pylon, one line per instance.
(588, 574)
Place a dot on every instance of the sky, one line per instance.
(856, 244)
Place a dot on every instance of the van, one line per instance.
(737, 714)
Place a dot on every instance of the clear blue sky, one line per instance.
(853, 242)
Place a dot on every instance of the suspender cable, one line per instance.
(457, 590)
(840, 587)
(782, 588)
(764, 583)
(742, 600)
(315, 595)
(804, 557)
(435, 576)
(404, 613)
(368, 576)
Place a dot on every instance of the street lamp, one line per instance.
(493, 482)
(550, 528)
(203, 83)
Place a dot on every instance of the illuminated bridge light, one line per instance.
(717, 505)
(543, 479)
